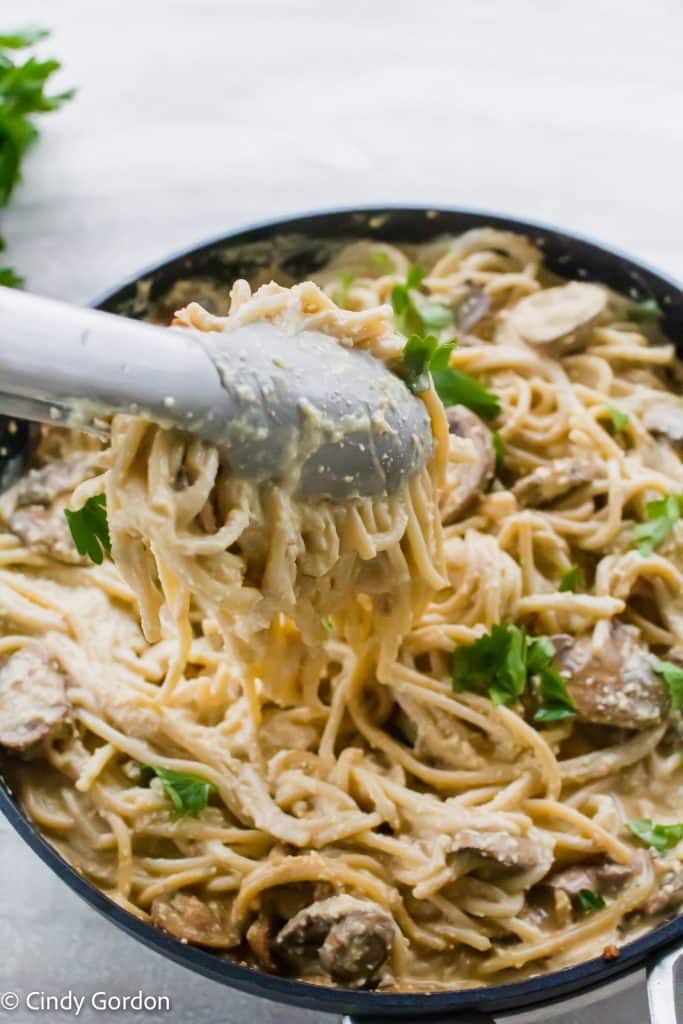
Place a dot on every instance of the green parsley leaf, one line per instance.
(328, 624)
(663, 514)
(492, 665)
(648, 309)
(661, 837)
(345, 282)
(673, 677)
(620, 420)
(591, 901)
(416, 361)
(557, 703)
(22, 94)
(434, 316)
(500, 664)
(415, 276)
(572, 580)
(413, 318)
(189, 794)
(457, 388)
(8, 279)
(22, 38)
(89, 528)
(382, 260)
(498, 449)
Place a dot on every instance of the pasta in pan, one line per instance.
(428, 740)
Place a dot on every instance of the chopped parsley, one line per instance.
(648, 309)
(189, 794)
(501, 662)
(89, 528)
(411, 317)
(619, 419)
(424, 360)
(661, 837)
(572, 580)
(498, 450)
(590, 901)
(345, 282)
(673, 677)
(328, 624)
(662, 516)
(383, 261)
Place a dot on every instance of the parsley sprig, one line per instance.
(673, 677)
(22, 95)
(619, 419)
(90, 529)
(500, 664)
(662, 516)
(648, 309)
(189, 794)
(425, 360)
(572, 580)
(590, 901)
(413, 317)
(661, 837)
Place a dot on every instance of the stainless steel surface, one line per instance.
(333, 420)
(665, 988)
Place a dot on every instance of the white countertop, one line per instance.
(194, 116)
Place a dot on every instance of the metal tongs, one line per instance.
(296, 407)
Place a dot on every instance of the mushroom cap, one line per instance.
(561, 316)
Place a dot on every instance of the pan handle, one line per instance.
(664, 978)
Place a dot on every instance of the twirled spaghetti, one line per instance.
(298, 656)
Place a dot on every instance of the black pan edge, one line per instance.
(570, 256)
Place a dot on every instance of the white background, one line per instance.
(194, 116)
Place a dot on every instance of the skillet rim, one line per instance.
(534, 992)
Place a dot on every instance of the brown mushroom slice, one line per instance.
(509, 851)
(45, 531)
(350, 939)
(190, 919)
(606, 878)
(33, 702)
(554, 480)
(466, 480)
(473, 308)
(559, 318)
(616, 685)
(665, 418)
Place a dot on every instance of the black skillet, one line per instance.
(297, 247)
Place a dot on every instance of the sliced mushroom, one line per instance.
(509, 851)
(33, 702)
(348, 938)
(559, 319)
(616, 685)
(665, 418)
(191, 919)
(557, 478)
(466, 480)
(42, 486)
(46, 531)
(259, 938)
(606, 878)
(473, 308)
(669, 892)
